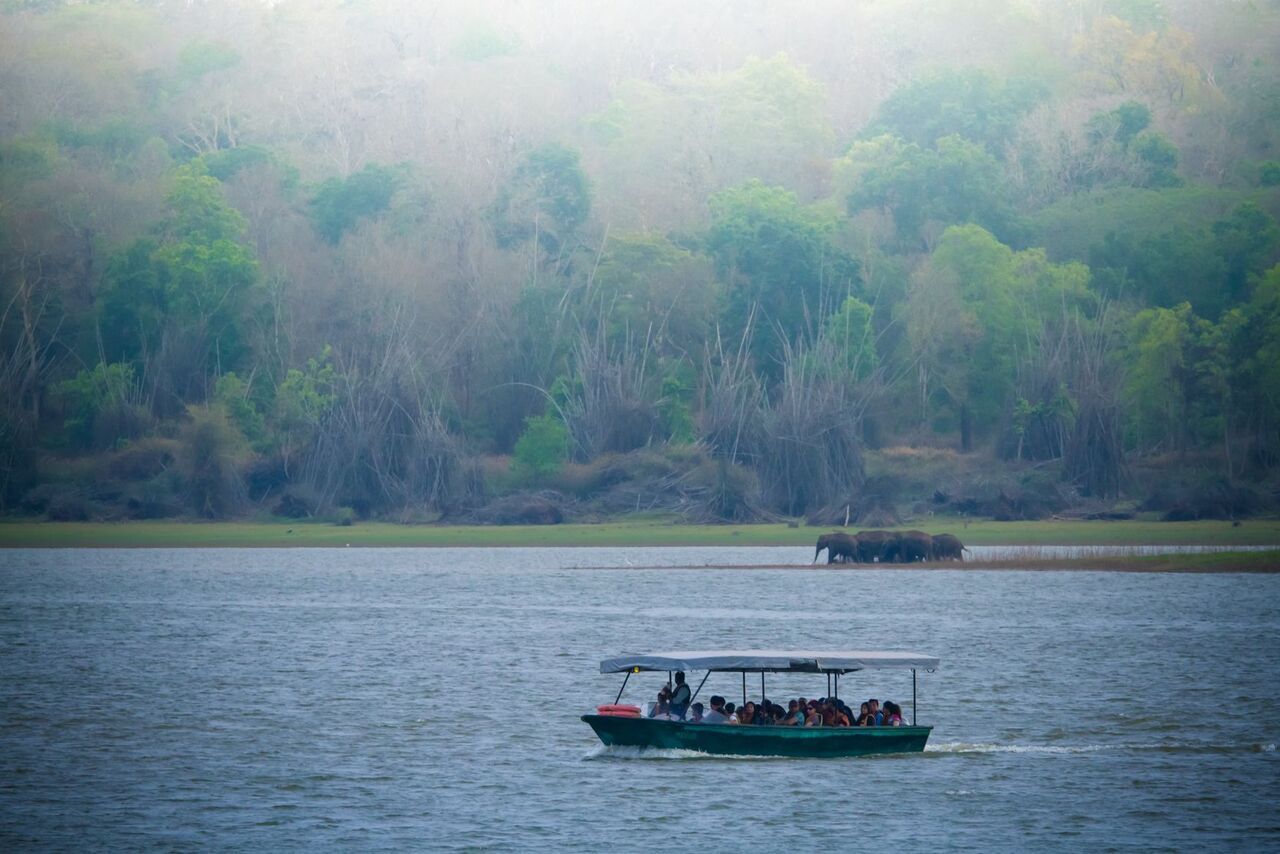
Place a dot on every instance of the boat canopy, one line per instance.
(770, 660)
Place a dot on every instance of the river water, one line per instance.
(391, 699)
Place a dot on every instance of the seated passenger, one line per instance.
(747, 714)
(662, 708)
(812, 716)
(695, 713)
(794, 716)
(732, 711)
(864, 715)
(877, 716)
(893, 714)
(716, 715)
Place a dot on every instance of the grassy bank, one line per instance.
(651, 532)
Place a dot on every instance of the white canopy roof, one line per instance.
(771, 660)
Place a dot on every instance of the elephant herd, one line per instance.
(888, 547)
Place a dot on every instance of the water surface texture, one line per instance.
(389, 699)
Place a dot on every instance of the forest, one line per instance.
(533, 261)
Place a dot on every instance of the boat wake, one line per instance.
(966, 747)
(960, 747)
(628, 753)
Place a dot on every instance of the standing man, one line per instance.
(680, 697)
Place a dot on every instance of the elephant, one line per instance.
(947, 547)
(839, 547)
(870, 543)
(907, 547)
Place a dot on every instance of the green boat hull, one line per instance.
(732, 740)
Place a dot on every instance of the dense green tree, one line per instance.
(971, 103)
(1247, 241)
(179, 303)
(546, 200)
(541, 449)
(956, 182)
(782, 271)
(340, 203)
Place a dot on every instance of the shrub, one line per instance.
(344, 517)
(97, 406)
(68, 506)
(144, 459)
(212, 454)
(541, 449)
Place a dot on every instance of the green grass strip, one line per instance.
(649, 532)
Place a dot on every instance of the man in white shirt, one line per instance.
(716, 714)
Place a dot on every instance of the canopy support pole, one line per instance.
(623, 688)
(744, 687)
(828, 684)
(700, 684)
(761, 686)
(836, 695)
(913, 696)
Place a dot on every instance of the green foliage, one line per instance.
(302, 400)
(547, 199)
(340, 203)
(226, 162)
(86, 396)
(1269, 173)
(199, 58)
(646, 282)
(1001, 300)
(956, 182)
(1247, 240)
(1120, 125)
(480, 42)
(1252, 338)
(116, 137)
(854, 337)
(675, 407)
(970, 103)
(541, 449)
(26, 158)
(1163, 269)
(233, 395)
(778, 261)
(211, 456)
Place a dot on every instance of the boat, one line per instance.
(617, 724)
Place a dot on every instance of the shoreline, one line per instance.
(1227, 562)
(635, 533)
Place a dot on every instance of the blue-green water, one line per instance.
(410, 699)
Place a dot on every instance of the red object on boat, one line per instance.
(619, 710)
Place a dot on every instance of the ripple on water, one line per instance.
(414, 699)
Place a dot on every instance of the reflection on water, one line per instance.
(411, 699)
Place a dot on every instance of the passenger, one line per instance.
(812, 716)
(732, 711)
(680, 697)
(794, 717)
(695, 713)
(894, 714)
(747, 714)
(662, 708)
(877, 717)
(716, 714)
(841, 718)
(864, 715)
(828, 713)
